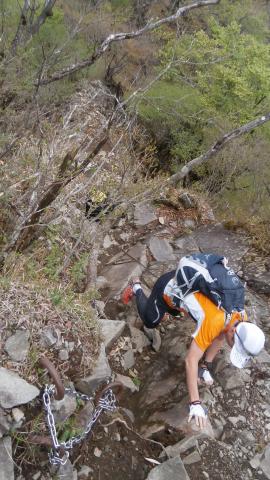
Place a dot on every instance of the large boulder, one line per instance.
(173, 469)
(144, 214)
(111, 330)
(17, 345)
(161, 249)
(14, 390)
(6, 462)
(216, 239)
(123, 267)
(100, 374)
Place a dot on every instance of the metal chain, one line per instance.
(107, 402)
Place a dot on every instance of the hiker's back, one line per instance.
(210, 275)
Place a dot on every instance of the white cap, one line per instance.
(248, 342)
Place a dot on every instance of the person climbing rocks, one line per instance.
(202, 286)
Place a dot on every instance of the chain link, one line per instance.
(56, 456)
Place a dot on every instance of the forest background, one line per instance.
(173, 88)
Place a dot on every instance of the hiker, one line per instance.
(202, 286)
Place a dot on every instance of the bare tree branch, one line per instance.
(26, 28)
(118, 37)
(26, 228)
(216, 147)
(46, 12)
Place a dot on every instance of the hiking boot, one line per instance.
(128, 292)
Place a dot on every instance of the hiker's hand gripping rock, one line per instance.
(197, 412)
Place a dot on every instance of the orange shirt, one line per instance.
(213, 323)
(211, 320)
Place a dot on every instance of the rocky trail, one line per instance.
(148, 437)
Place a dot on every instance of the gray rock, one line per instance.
(154, 337)
(84, 472)
(216, 239)
(144, 214)
(265, 461)
(63, 355)
(139, 339)
(130, 265)
(5, 422)
(188, 442)
(247, 437)
(100, 374)
(108, 242)
(63, 409)
(161, 249)
(255, 461)
(235, 420)
(185, 245)
(17, 415)
(111, 330)
(157, 390)
(127, 382)
(173, 469)
(6, 462)
(177, 417)
(189, 223)
(193, 457)
(66, 472)
(186, 200)
(263, 357)
(48, 337)
(14, 390)
(149, 431)
(231, 378)
(128, 359)
(81, 419)
(37, 476)
(17, 345)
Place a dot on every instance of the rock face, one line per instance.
(14, 390)
(130, 265)
(265, 461)
(63, 409)
(171, 470)
(111, 330)
(6, 463)
(161, 249)
(17, 345)
(101, 373)
(177, 417)
(144, 214)
(215, 239)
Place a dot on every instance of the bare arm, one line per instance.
(214, 348)
(192, 359)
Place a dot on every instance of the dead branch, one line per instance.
(26, 28)
(47, 11)
(25, 230)
(216, 147)
(118, 37)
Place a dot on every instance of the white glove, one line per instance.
(206, 376)
(200, 415)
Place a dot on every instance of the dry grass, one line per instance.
(24, 307)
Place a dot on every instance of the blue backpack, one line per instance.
(210, 275)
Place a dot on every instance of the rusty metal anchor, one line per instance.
(59, 387)
(104, 400)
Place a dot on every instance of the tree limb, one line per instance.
(26, 28)
(216, 147)
(118, 37)
(46, 12)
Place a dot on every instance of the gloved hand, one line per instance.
(205, 376)
(197, 411)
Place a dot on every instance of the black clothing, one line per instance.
(153, 309)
